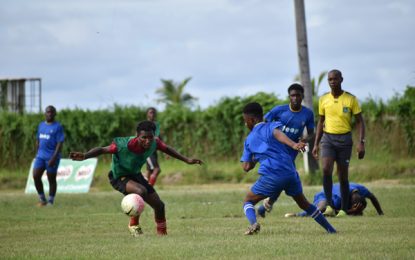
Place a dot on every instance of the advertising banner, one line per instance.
(72, 177)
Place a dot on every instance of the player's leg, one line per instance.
(343, 159)
(328, 155)
(158, 206)
(151, 198)
(39, 167)
(52, 172)
(314, 212)
(267, 205)
(155, 169)
(249, 209)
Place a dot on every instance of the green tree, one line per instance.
(172, 93)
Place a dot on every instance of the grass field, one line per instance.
(204, 221)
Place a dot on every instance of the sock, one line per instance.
(328, 189)
(161, 226)
(315, 213)
(152, 180)
(134, 221)
(51, 199)
(42, 197)
(344, 192)
(261, 211)
(250, 212)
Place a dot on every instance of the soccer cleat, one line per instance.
(290, 215)
(267, 205)
(329, 212)
(253, 229)
(341, 214)
(135, 230)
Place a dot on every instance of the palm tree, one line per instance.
(172, 93)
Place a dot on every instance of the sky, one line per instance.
(97, 53)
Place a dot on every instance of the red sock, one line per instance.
(134, 221)
(152, 180)
(161, 227)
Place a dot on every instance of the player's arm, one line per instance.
(247, 166)
(58, 149)
(282, 138)
(319, 134)
(375, 203)
(360, 125)
(173, 153)
(94, 152)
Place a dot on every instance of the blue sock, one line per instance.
(315, 213)
(250, 212)
(42, 197)
(261, 211)
(51, 199)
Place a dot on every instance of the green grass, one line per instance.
(204, 221)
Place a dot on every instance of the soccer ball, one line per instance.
(132, 205)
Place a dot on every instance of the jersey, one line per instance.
(293, 122)
(336, 195)
(48, 136)
(338, 112)
(125, 161)
(261, 146)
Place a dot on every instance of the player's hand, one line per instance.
(52, 162)
(301, 147)
(77, 156)
(361, 151)
(194, 161)
(315, 152)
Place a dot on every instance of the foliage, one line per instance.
(172, 94)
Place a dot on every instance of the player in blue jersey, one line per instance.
(49, 140)
(358, 194)
(265, 145)
(294, 118)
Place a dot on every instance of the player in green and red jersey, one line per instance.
(129, 154)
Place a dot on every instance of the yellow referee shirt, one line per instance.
(338, 112)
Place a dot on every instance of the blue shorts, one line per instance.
(271, 186)
(43, 164)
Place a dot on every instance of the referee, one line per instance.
(336, 109)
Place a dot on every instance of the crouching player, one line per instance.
(265, 144)
(129, 154)
(358, 194)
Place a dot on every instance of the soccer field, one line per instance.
(204, 221)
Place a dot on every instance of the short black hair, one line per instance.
(336, 72)
(146, 126)
(51, 107)
(296, 86)
(253, 109)
(151, 108)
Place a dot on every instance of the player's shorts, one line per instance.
(271, 186)
(338, 147)
(43, 164)
(120, 183)
(152, 161)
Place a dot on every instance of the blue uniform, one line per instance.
(277, 171)
(48, 136)
(293, 122)
(336, 197)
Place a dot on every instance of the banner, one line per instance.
(72, 177)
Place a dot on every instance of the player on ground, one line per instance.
(358, 194)
(336, 109)
(153, 167)
(265, 144)
(49, 141)
(129, 154)
(294, 118)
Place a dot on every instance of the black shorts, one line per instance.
(120, 183)
(152, 161)
(337, 146)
